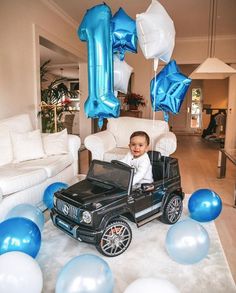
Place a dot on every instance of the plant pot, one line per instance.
(133, 107)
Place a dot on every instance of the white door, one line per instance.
(188, 120)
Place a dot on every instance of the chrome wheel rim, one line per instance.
(115, 240)
(174, 209)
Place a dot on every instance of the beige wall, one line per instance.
(23, 21)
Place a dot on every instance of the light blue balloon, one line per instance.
(20, 234)
(168, 89)
(86, 273)
(28, 211)
(49, 193)
(187, 242)
(95, 29)
(204, 205)
(124, 34)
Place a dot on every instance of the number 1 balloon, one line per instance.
(124, 34)
(95, 29)
(156, 33)
(168, 89)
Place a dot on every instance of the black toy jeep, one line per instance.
(96, 209)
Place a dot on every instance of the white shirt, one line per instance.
(142, 168)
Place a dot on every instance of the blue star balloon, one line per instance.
(95, 29)
(124, 34)
(168, 89)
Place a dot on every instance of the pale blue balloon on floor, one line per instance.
(28, 211)
(86, 273)
(204, 205)
(187, 242)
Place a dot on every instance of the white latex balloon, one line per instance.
(122, 72)
(156, 32)
(151, 285)
(19, 272)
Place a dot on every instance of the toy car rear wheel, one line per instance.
(115, 239)
(172, 210)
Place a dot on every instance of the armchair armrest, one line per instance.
(99, 143)
(74, 143)
(166, 143)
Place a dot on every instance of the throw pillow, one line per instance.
(27, 146)
(6, 155)
(55, 143)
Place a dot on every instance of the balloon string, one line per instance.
(153, 110)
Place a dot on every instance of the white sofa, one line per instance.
(30, 161)
(112, 143)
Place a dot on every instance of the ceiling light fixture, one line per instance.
(212, 67)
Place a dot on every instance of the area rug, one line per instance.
(145, 257)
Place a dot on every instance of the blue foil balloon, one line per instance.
(20, 234)
(49, 193)
(204, 205)
(187, 242)
(86, 273)
(124, 34)
(168, 89)
(28, 211)
(95, 29)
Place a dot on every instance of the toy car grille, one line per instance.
(67, 209)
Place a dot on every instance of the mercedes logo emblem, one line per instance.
(65, 209)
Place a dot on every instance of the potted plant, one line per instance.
(55, 98)
(134, 101)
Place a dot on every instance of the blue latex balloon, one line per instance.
(124, 34)
(204, 205)
(86, 273)
(20, 234)
(49, 193)
(95, 29)
(168, 89)
(28, 211)
(187, 242)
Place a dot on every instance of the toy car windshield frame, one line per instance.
(111, 174)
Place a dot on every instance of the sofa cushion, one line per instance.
(14, 178)
(115, 154)
(19, 123)
(55, 143)
(52, 165)
(27, 146)
(6, 155)
(123, 127)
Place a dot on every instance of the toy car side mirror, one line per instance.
(147, 187)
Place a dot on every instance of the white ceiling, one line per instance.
(191, 19)
(190, 16)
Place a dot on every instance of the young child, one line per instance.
(138, 158)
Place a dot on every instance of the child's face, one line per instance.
(138, 146)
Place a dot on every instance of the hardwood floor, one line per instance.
(198, 166)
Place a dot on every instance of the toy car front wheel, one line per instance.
(115, 239)
(172, 210)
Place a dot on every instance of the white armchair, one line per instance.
(112, 143)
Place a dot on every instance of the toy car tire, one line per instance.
(172, 210)
(115, 239)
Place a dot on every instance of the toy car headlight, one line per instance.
(86, 217)
(54, 201)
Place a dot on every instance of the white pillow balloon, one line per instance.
(19, 272)
(122, 72)
(151, 285)
(156, 32)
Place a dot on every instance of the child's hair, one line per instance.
(140, 133)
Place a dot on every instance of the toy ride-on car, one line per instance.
(96, 209)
